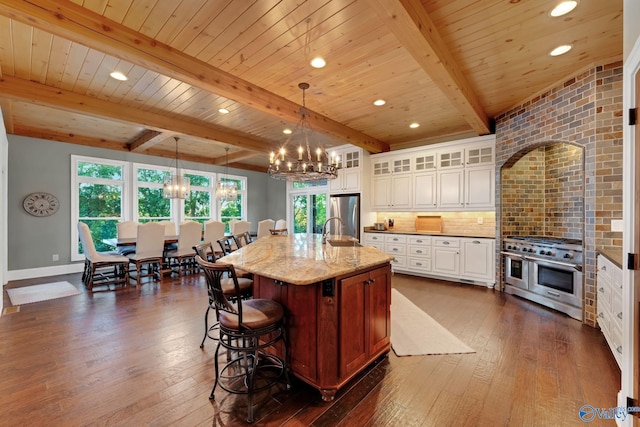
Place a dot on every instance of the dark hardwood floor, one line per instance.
(131, 357)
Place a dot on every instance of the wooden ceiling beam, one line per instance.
(76, 23)
(40, 94)
(71, 138)
(410, 23)
(147, 139)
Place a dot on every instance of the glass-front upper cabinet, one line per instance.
(479, 156)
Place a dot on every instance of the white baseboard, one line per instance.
(31, 273)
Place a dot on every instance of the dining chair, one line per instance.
(228, 288)
(278, 231)
(169, 230)
(101, 268)
(264, 226)
(181, 259)
(214, 231)
(247, 328)
(149, 251)
(238, 228)
(280, 224)
(126, 230)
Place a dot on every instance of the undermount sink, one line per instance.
(343, 242)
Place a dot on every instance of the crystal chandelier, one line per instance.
(226, 190)
(312, 164)
(176, 186)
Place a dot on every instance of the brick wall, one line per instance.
(585, 113)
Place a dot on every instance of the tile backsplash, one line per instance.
(462, 223)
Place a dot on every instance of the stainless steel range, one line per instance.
(545, 270)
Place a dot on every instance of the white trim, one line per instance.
(631, 67)
(32, 273)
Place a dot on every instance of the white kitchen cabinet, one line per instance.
(419, 254)
(450, 186)
(479, 187)
(349, 162)
(479, 155)
(609, 304)
(478, 260)
(451, 158)
(425, 190)
(445, 256)
(392, 192)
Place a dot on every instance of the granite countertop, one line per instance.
(302, 259)
(426, 233)
(613, 255)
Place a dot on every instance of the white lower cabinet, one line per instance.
(478, 257)
(609, 304)
(446, 256)
(449, 258)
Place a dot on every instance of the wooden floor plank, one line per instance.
(132, 357)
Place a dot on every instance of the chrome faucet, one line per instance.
(325, 232)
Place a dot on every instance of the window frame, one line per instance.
(130, 186)
(75, 195)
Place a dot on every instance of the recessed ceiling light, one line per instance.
(414, 125)
(561, 50)
(118, 76)
(287, 131)
(223, 111)
(563, 8)
(379, 102)
(318, 62)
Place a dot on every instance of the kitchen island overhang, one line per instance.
(337, 302)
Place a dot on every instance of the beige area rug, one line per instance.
(44, 292)
(414, 332)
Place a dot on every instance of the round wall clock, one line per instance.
(41, 204)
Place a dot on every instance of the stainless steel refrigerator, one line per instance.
(347, 208)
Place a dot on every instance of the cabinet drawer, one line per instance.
(372, 237)
(396, 239)
(419, 240)
(604, 295)
(422, 264)
(395, 249)
(376, 245)
(420, 251)
(447, 243)
(399, 261)
(616, 307)
(616, 345)
(616, 278)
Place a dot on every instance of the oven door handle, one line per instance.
(564, 264)
(512, 255)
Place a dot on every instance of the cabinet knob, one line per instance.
(418, 251)
(600, 315)
(476, 242)
(619, 315)
(619, 349)
(600, 289)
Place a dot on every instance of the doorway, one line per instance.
(308, 209)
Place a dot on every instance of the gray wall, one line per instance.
(38, 165)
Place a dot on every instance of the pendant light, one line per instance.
(226, 189)
(176, 186)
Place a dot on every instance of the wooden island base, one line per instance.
(335, 327)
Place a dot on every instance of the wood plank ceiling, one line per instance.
(449, 65)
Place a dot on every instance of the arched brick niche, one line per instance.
(584, 113)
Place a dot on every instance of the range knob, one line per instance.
(570, 256)
(530, 249)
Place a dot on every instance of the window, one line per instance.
(199, 207)
(149, 204)
(103, 195)
(98, 200)
(236, 209)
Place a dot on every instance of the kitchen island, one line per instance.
(337, 300)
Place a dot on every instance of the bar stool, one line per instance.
(204, 251)
(247, 329)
